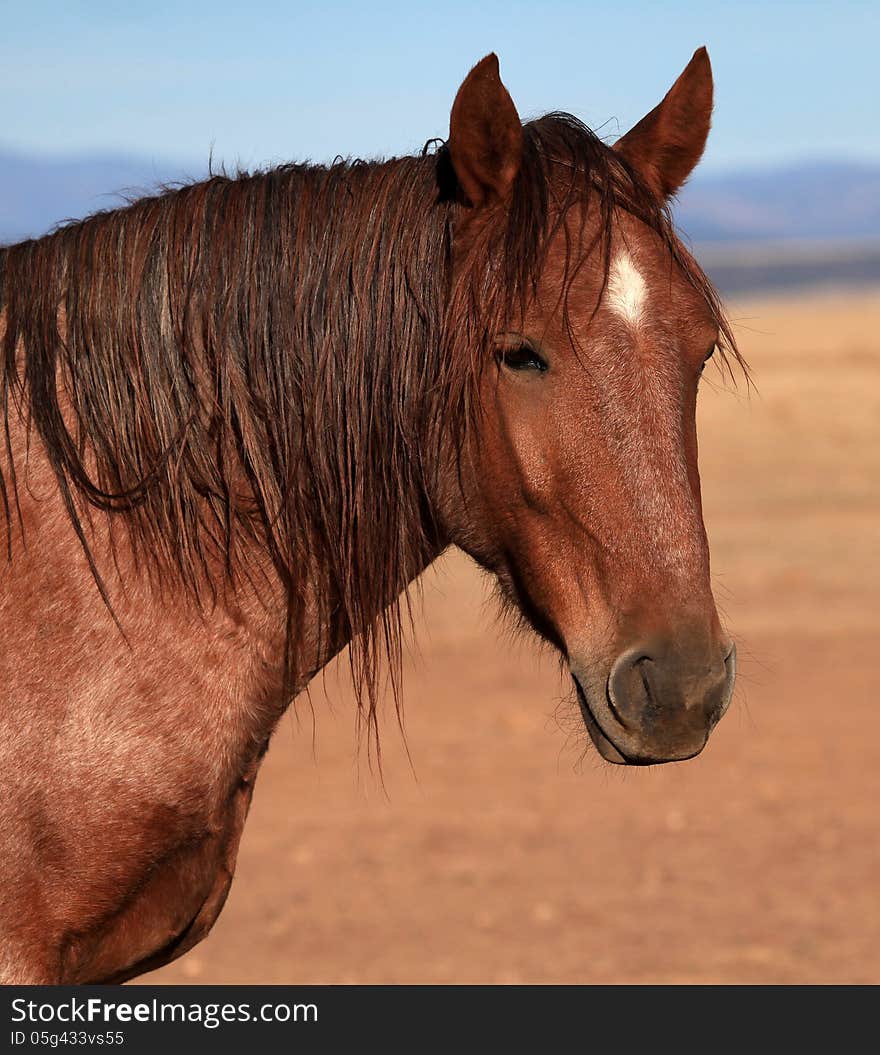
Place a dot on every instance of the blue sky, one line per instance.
(265, 82)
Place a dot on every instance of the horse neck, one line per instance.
(306, 346)
(369, 342)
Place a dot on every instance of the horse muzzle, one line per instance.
(658, 703)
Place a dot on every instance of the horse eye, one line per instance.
(522, 358)
(708, 357)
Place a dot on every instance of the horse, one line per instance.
(242, 415)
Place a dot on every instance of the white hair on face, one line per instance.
(626, 291)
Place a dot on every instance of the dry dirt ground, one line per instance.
(514, 854)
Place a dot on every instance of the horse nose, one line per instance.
(661, 693)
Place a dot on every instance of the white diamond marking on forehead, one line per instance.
(626, 291)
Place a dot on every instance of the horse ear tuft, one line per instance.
(665, 146)
(485, 136)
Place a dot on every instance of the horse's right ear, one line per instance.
(485, 136)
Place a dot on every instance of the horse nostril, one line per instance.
(669, 687)
(629, 691)
(643, 666)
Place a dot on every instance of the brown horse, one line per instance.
(242, 416)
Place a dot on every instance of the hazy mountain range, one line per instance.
(819, 204)
(831, 201)
(36, 193)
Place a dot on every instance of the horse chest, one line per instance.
(129, 766)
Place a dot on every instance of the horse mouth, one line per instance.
(600, 741)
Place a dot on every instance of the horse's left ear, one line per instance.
(665, 146)
(485, 136)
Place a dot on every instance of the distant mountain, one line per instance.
(779, 228)
(37, 193)
(827, 201)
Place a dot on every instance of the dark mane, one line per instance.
(277, 358)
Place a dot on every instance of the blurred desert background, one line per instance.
(511, 852)
(506, 850)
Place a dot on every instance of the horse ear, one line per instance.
(485, 136)
(665, 146)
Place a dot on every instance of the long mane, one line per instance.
(277, 359)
